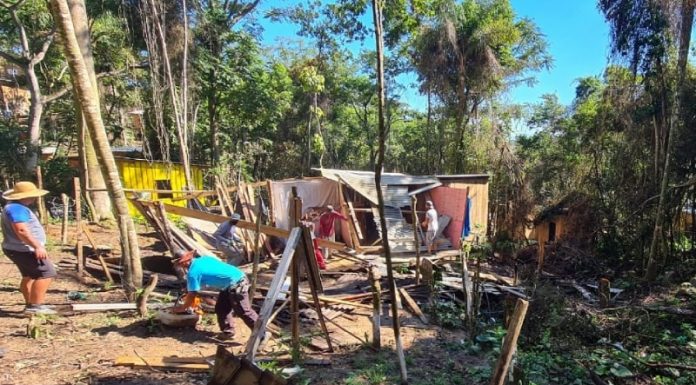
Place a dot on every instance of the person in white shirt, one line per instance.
(431, 224)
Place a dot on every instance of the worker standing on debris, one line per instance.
(431, 224)
(206, 271)
(228, 242)
(24, 241)
(326, 226)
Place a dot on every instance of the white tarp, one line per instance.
(314, 193)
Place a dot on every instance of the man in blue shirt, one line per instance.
(208, 272)
(24, 242)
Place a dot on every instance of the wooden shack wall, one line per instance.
(541, 231)
(478, 192)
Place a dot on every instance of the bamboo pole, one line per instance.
(296, 213)
(257, 250)
(64, 225)
(510, 343)
(78, 225)
(416, 240)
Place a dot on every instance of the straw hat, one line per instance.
(23, 190)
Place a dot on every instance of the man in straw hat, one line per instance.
(24, 241)
(206, 271)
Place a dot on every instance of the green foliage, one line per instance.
(447, 314)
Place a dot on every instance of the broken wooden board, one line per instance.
(230, 370)
(172, 363)
(268, 230)
(413, 306)
(102, 306)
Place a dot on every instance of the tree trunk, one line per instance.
(91, 175)
(35, 111)
(383, 134)
(130, 253)
(687, 19)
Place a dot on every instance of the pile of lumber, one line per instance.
(175, 239)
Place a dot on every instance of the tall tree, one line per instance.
(217, 21)
(91, 175)
(471, 51)
(89, 101)
(646, 33)
(27, 53)
(383, 134)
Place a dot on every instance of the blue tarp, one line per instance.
(466, 230)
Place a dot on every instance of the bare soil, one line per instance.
(81, 348)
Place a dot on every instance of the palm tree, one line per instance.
(468, 53)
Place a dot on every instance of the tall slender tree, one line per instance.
(91, 175)
(89, 102)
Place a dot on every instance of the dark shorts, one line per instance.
(29, 266)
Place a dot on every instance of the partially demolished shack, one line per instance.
(355, 193)
(461, 202)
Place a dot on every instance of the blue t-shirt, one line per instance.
(18, 213)
(211, 273)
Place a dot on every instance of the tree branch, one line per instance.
(39, 56)
(245, 11)
(60, 93)
(20, 61)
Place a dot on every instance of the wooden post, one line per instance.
(414, 216)
(107, 273)
(509, 343)
(467, 286)
(64, 226)
(257, 250)
(271, 213)
(78, 225)
(604, 292)
(375, 277)
(296, 214)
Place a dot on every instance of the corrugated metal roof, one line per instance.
(464, 176)
(394, 185)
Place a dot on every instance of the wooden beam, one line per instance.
(415, 309)
(276, 286)
(268, 230)
(510, 343)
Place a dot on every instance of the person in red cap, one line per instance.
(207, 271)
(326, 226)
(24, 243)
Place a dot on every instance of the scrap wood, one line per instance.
(230, 370)
(268, 230)
(173, 363)
(584, 292)
(103, 306)
(415, 309)
(672, 310)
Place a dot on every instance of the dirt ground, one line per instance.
(81, 349)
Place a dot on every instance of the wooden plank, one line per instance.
(64, 226)
(160, 363)
(314, 281)
(78, 225)
(90, 239)
(276, 285)
(358, 230)
(103, 306)
(107, 273)
(268, 230)
(413, 306)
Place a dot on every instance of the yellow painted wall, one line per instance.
(143, 175)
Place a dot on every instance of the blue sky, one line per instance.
(577, 35)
